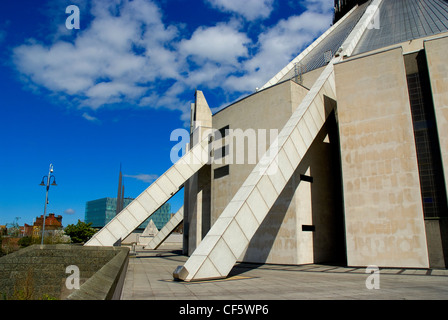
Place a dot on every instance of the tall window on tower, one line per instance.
(432, 184)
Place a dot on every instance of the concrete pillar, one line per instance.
(197, 188)
(438, 73)
(383, 205)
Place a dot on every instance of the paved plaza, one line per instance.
(149, 277)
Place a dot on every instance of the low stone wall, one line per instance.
(41, 272)
(107, 283)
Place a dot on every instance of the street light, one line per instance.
(49, 177)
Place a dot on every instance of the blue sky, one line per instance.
(112, 91)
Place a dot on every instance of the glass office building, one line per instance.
(99, 212)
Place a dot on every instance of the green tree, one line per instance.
(80, 232)
(2, 253)
(14, 228)
(25, 241)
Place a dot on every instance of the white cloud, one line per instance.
(221, 44)
(101, 65)
(88, 117)
(211, 74)
(128, 55)
(321, 6)
(213, 54)
(69, 211)
(250, 9)
(276, 48)
(143, 177)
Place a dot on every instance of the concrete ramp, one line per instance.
(153, 197)
(230, 235)
(165, 232)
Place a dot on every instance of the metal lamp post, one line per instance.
(49, 177)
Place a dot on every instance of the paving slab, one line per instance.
(149, 277)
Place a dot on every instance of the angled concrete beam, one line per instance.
(230, 235)
(165, 232)
(153, 197)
